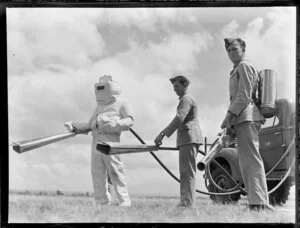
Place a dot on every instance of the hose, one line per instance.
(282, 157)
(288, 171)
(237, 185)
(269, 172)
(283, 179)
(241, 190)
(227, 174)
(170, 173)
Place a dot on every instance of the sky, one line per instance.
(55, 55)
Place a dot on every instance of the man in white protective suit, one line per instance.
(111, 116)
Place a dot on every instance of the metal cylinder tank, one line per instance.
(268, 92)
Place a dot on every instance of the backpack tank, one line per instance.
(268, 87)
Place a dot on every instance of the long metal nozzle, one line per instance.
(223, 141)
(117, 148)
(26, 145)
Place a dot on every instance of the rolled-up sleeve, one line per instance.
(244, 92)
(183, 108)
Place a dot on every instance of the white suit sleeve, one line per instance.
(84, 127)
(127, 117)
(92, 121)
(123, 123)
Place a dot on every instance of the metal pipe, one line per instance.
(222, 142)
(110, 148)
(26, 145)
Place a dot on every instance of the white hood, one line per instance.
(106, 90)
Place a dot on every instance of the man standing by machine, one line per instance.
(244, 117)
(189, 138)
(111, 116)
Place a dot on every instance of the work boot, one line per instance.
(180, 205)
(103, 203)
(184, 205)
(254, 207)
(125, 204)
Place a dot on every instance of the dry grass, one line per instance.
(73, 209)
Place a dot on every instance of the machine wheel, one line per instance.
(281, 195)
(224, 182)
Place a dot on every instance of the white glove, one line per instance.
(114, 125)
(69, 126)
(78, 128)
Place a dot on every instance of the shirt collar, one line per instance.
(242, 59)
(182, 95)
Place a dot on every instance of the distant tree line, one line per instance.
(50, 193)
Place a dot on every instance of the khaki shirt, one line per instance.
(185, 122)
(241, 83)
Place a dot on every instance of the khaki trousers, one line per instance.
(251, 163)
(187, 170)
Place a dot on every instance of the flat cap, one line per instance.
(228, 42)
(181, 79)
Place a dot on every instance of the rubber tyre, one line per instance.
(280, 196)
(224, 182)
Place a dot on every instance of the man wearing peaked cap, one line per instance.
(228, 42)
(181, 79)
(244, 119)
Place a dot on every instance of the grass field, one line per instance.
(74, 209)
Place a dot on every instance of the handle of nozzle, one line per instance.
(223, 140)
(223, 132)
